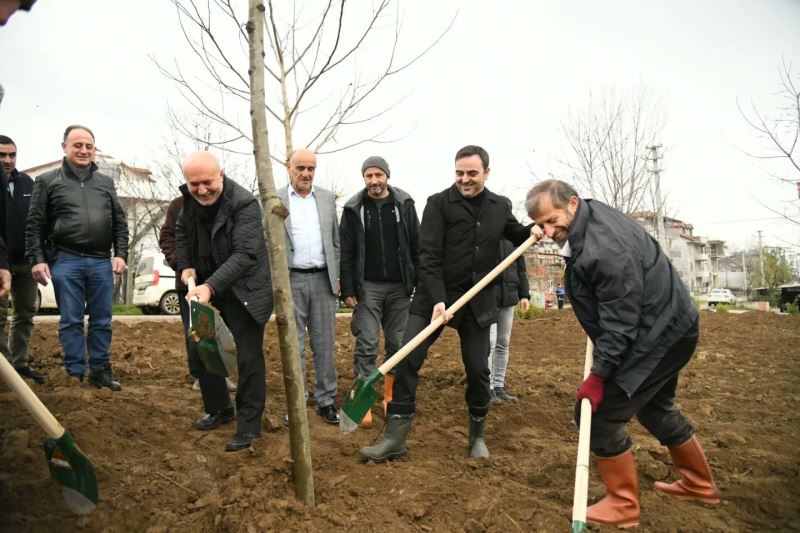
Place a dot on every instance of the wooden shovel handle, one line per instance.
(584, 434)
(29, 399)
(466, 297)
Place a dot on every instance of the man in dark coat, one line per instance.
(17, 188)
(220, 243)
(634, 307)
(459, 237)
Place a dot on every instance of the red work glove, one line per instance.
(592, 388)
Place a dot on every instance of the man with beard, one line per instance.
(459, 236)
(634, 307)
(379, 238)
(219, 241)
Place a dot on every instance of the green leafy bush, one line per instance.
(793, 308)
(532, 312)
(723, 308)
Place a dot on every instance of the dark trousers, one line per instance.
(474, 354)
(251, 389)
(560, 301)
(653, 404)
(192, 362)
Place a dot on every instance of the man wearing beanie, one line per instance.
(379, 239)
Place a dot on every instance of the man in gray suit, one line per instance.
(312, 243)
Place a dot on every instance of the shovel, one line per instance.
(582, 467)
(212, 337)
(362, 394)
(68, 465)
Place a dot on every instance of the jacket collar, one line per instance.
(66, 169)
(577, 231)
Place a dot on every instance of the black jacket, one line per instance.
(626, 294)
(457, 249)
(3, 249)
(513, 285)
(353, 248)
(15, 209)
(83, 218)
(237, 247)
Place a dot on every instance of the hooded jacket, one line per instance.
(625, 292)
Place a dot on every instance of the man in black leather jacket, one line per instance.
(644, 325)
(74, 220)
(219, 241)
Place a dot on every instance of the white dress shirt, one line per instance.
(306, 231)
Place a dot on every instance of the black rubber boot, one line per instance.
(393, 445)
(477, 444)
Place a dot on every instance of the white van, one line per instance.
(154, 286)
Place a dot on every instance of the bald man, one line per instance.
(312, 245)
(219, 241)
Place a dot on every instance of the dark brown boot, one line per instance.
(696, 482)
(620, 507)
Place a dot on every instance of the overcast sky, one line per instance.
(504, 77)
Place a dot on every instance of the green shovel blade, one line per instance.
(358, 401)
(215, 344)
(578, 526)
(74, 472)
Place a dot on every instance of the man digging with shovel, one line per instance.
(220, 243)
(644, 326)
(460, 232)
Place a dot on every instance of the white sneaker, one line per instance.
(196, 385)
(231, 385)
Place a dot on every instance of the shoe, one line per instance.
(213, 421)
(28, 372)
(103, 379)
(477, 444)
(502, 395)
(240, 441)
(393, 445)
(78, 377)
(696, 482)
(231, 385)
(620, 506)
(328, 414)
(196, 385)
(493, 397)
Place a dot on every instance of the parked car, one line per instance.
(721, 296)
(154, 286)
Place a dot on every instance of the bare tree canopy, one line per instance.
(780, 134)
(608, 148)
(356, 50)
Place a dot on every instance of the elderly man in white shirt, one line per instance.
(312, 242)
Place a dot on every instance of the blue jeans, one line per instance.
(83, 283)
(499, 337)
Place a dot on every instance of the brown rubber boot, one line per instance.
(388, 383)
(696, 482)
(620, 507)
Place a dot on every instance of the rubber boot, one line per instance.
(696, 482)
(388, 383)
(393, 445)
(366, 422)
(620, 506)
(477, 444)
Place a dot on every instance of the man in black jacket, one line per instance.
(634, 307)
(461, 229)
(220, 243)
(379, 243)
(75, 218)
(16, 193)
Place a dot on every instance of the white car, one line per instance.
(721, 296)
(154, 286)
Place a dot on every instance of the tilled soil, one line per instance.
(157, 473)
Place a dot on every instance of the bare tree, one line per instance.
(780, 134)
(274, 215)
(608, 142)
(304, 49)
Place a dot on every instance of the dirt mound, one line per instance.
(157, 473)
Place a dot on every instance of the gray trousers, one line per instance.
(23, 291)
(499, 337)
(315, 310)
(380, 304)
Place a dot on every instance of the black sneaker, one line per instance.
(501, 394)
(215, 420)
(28, 372)
(493, 397)
(103, 379)
(328, 414)
(240, 441)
